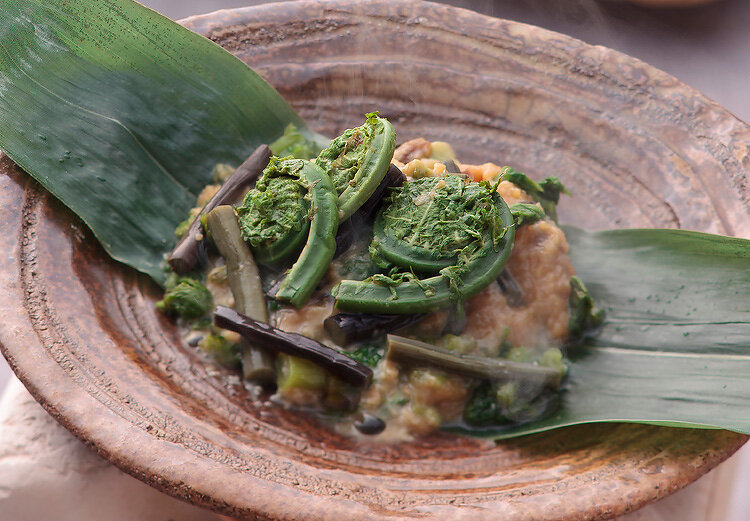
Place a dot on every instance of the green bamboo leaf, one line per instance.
(675, 346)
(122, 114)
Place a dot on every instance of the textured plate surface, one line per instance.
(637, 147)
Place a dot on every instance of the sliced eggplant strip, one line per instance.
(279, 341)
(348, 328)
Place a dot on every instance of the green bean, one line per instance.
(318, 252)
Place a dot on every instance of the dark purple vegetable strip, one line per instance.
(511, 289)
(347, 328)
(351, 229)
(190, 251)
(261, 334)
(393, 177)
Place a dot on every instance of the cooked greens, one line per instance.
(546, 192)
(483, 232)
(357, 161)
(368, 354)
(427, 224)
(224, 352)
(294, 144)
(525, 213)
(584, 315)
(274, 215)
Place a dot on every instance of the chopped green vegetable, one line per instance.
(298, 373)
(368, 354)
(187, 298)
(274, 215)
(357, 161)
(584, 315)
(526, 213)
(461, 344)
(293, 144)
(546, 192)
(225, 353)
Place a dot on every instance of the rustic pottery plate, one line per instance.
(636, 147)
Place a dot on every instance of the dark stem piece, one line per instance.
(511, 289)
(269, 337)
(190, 251)
(353, 227)
(406, 350)
(347, 328)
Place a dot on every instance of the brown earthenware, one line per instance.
(637, 148)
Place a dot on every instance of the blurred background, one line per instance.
(705, 44)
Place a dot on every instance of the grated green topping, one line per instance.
(344, 156)
(447, 216)
(277, 207)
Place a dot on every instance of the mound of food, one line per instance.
(391, 291)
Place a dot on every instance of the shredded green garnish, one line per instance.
(368, 354)
(343, 157)
(276, 207)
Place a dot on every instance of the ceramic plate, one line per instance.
(636, 147)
